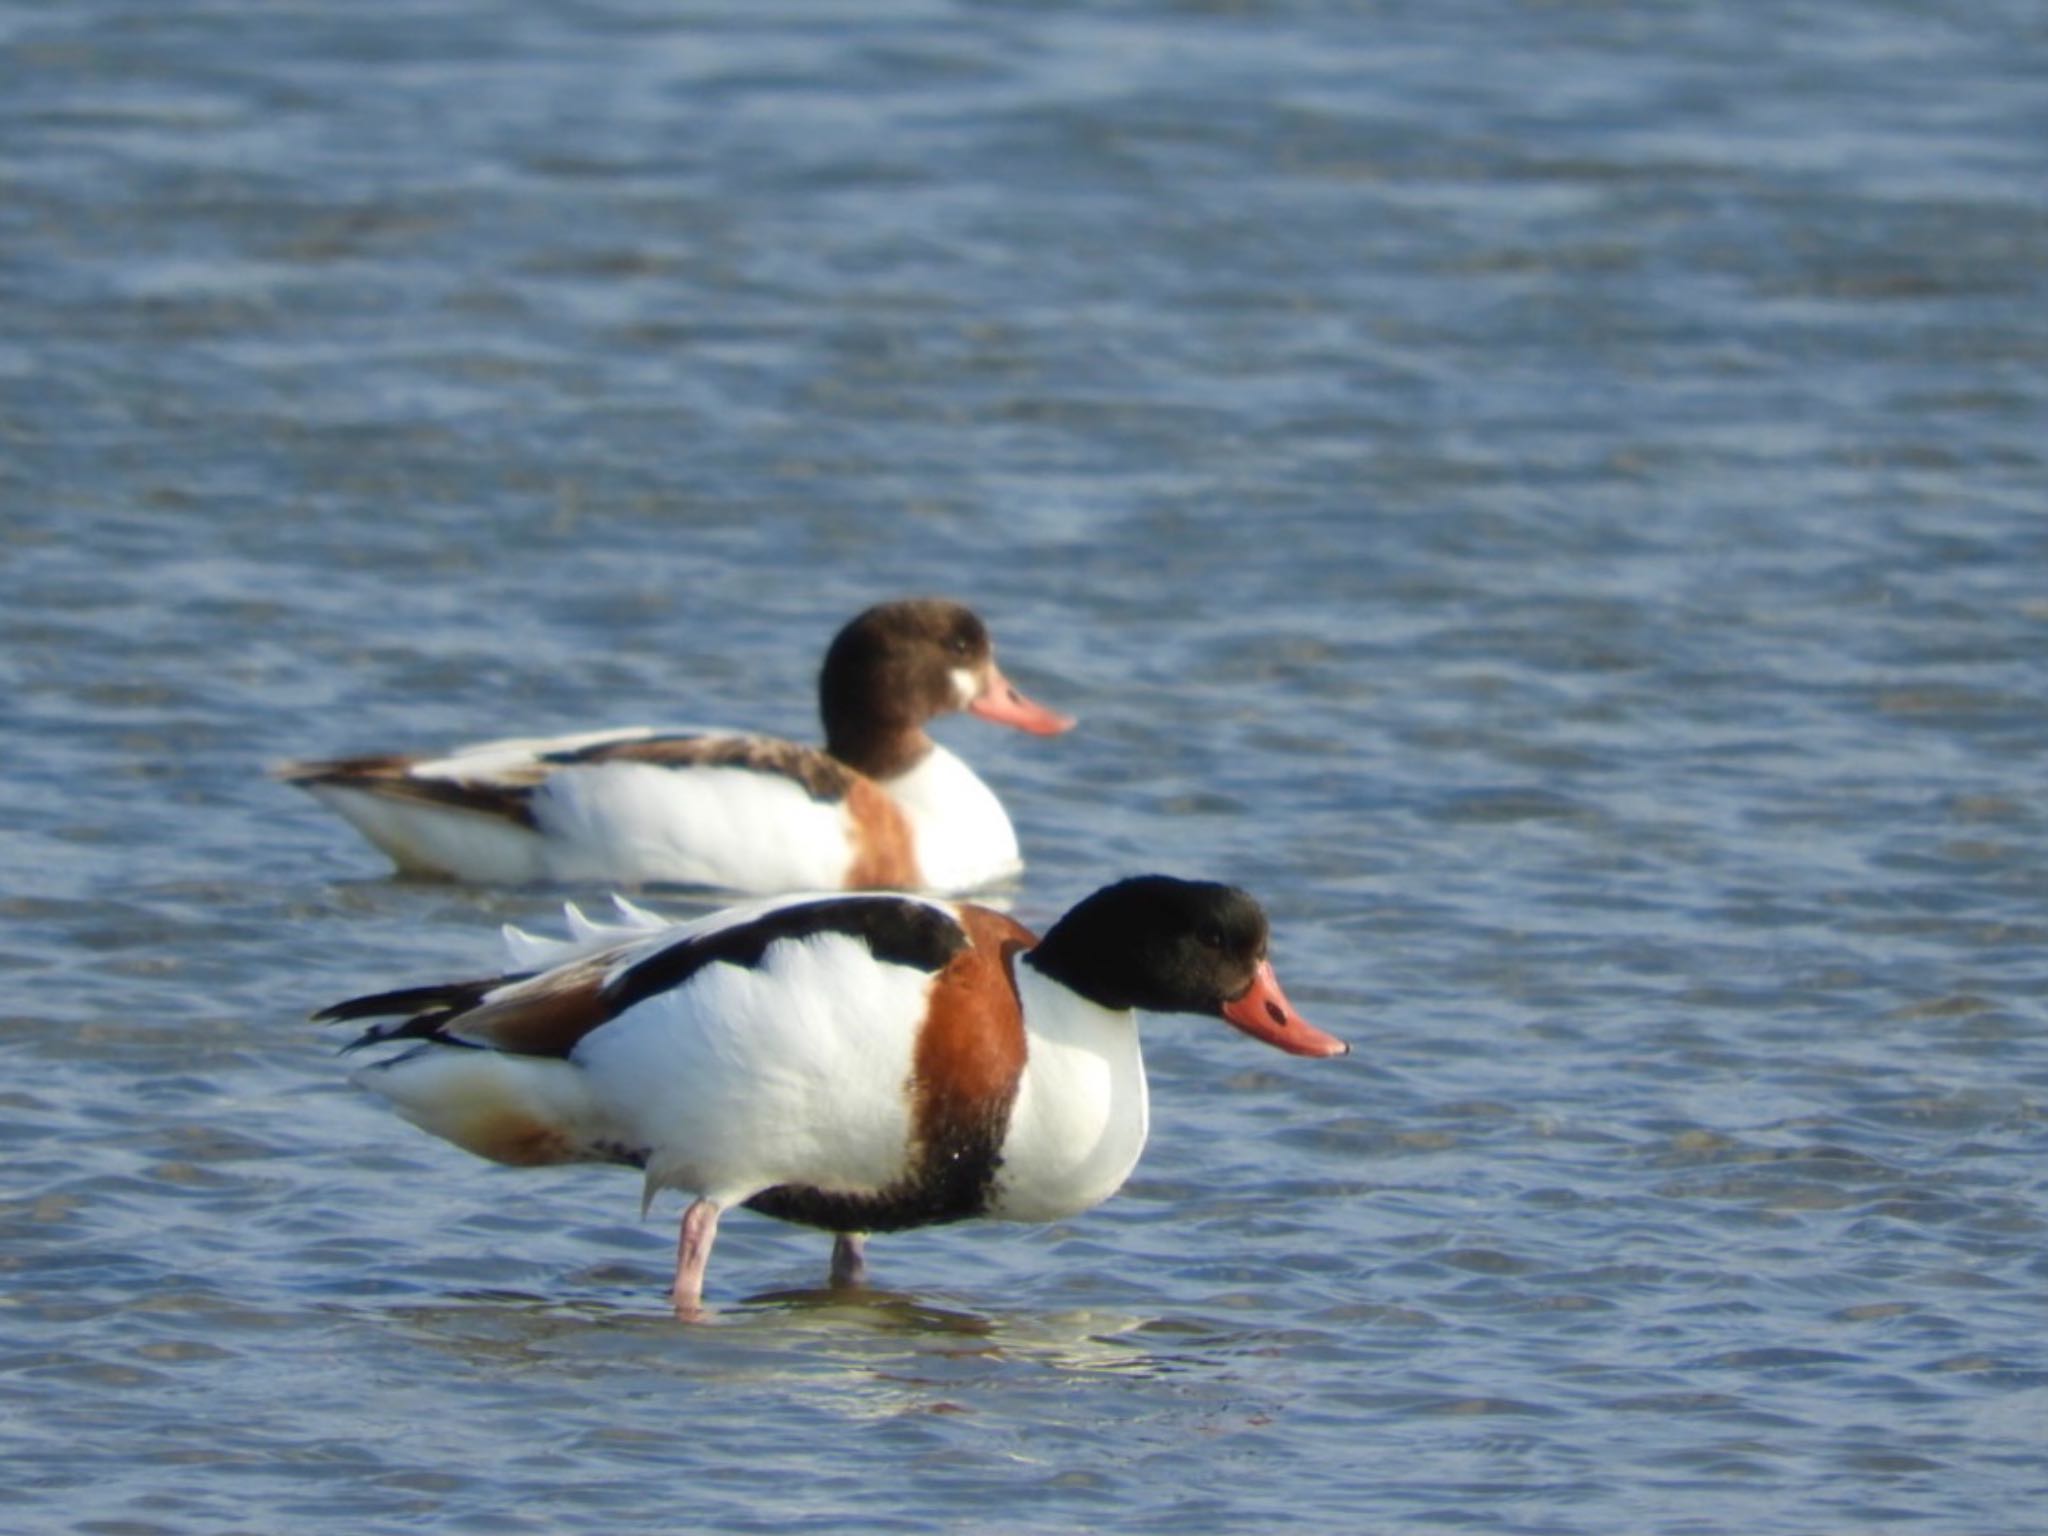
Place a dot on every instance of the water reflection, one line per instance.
(804, 1330)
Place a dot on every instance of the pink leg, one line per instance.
(693, 1251)
(849, 1258)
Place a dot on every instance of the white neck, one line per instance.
(964, 839)
(1081, 1114)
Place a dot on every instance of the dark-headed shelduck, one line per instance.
(882, 806)
(858, 1063)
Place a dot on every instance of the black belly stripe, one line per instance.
(618, 1152)
(952, 1180)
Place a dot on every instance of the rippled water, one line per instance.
(1548, 495)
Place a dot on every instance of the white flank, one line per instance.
(1081, 1114)
(727, 827)
(791, 1072)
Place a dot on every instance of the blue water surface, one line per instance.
(1548, 495)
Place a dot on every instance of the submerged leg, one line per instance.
(849, 1258)
(693, 1250)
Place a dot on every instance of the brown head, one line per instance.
(900, 664)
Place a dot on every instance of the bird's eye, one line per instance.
(960, 645)
(1209, 938)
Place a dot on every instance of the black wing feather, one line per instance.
(428, 1009)
(897, 931)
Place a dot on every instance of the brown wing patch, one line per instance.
(820, 775)
(884, 851)
(390, 776)
(544, 1015)
(540, 1015)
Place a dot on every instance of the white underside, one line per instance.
(642, 824)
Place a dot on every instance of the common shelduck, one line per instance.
(882, 806)
(857, 1063)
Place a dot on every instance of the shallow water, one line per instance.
(1549, 496)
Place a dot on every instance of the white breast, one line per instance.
(1081, 1113)
(964, 837)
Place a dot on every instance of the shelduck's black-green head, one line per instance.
(1178, 946)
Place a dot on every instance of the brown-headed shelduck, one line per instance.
(882, 806)
(856, 1063)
